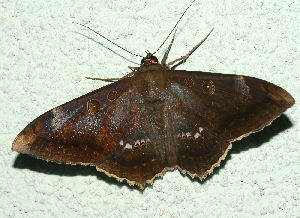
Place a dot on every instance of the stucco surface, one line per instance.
(44, 59)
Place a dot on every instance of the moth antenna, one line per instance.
(174, 27)
(132, 53)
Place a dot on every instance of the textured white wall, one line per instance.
(44, 59)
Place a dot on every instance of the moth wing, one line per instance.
(138, 165)
(75, 132)
(102, 128)
(213, 110)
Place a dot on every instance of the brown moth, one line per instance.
(155, 119)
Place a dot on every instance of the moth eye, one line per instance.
(208, 87)
(153, 60)
(189, 82)
(112, 96)
(93, 106)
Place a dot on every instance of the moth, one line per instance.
(155, 119)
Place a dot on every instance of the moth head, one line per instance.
(149, 59)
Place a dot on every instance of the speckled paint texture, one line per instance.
(44, 59)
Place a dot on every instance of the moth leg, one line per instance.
(111, 79)
(128, 75)
(133, 69)
(185, 57)
(108, 80)
(163, 61)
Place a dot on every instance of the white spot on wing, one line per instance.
(128, 146)
(197, 135)
(121, 142)
(200, 129)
